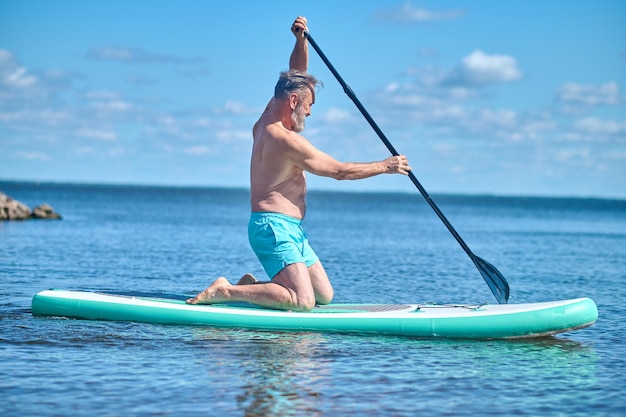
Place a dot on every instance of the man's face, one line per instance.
(302, 111)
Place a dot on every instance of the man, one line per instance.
(280, 156)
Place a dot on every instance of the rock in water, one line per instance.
(44, 211)
(11, 209)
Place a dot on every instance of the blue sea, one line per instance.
(376, 247)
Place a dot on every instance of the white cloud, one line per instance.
(580, 156)
(108, 101)
(166, 120)
(43, 117)
(407, 13)
(113, 106)
(335, 115)
(594, 126)
(419, 95)
(589, 95)
(113, 53)
(18, 78)
(101, 95)
(204, 122)
(478, 69)
(500, 118)
(133, 55)
(12, 75)
(464, 81)
(197, 150)
(106, 135)
(235, 108)
(140, 80)
(450, 113)
(231, 135)
(33, 156)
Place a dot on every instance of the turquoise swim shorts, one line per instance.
(279, 240)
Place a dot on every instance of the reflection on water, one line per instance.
(279, 372)
(308, 374)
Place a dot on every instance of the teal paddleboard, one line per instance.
(498, 321)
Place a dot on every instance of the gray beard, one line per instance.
(297, 120)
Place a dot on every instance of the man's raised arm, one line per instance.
(299, 59)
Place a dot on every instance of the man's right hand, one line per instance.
(299, 27)
(397, 165)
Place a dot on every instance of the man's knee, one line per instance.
(324, 297)
(295, 279)
(304, 302)
(319, 279)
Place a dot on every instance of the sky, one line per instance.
(484, 97)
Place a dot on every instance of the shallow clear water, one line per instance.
(375, 247)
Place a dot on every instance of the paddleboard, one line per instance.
(480, 321)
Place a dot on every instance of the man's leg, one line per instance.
(290, 289)
(296, 280)
(321, 284)
(319, 279)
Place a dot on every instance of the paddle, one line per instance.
(494, 279)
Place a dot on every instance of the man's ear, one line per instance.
(293, 100)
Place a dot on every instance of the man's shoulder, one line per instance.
(278, 134)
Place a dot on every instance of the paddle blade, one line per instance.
(494, 279)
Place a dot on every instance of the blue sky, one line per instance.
(489, 97)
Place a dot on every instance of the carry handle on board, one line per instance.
(494, 279)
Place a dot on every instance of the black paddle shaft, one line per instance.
(494, 279)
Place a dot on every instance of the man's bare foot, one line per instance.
(215, 293)
(247, 279)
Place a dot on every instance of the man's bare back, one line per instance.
(276, 184)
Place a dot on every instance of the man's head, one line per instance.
(294, 81)
(298, 89)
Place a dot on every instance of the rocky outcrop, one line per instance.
(14, 210)
(44, 211)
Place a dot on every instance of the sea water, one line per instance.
(376, 247)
